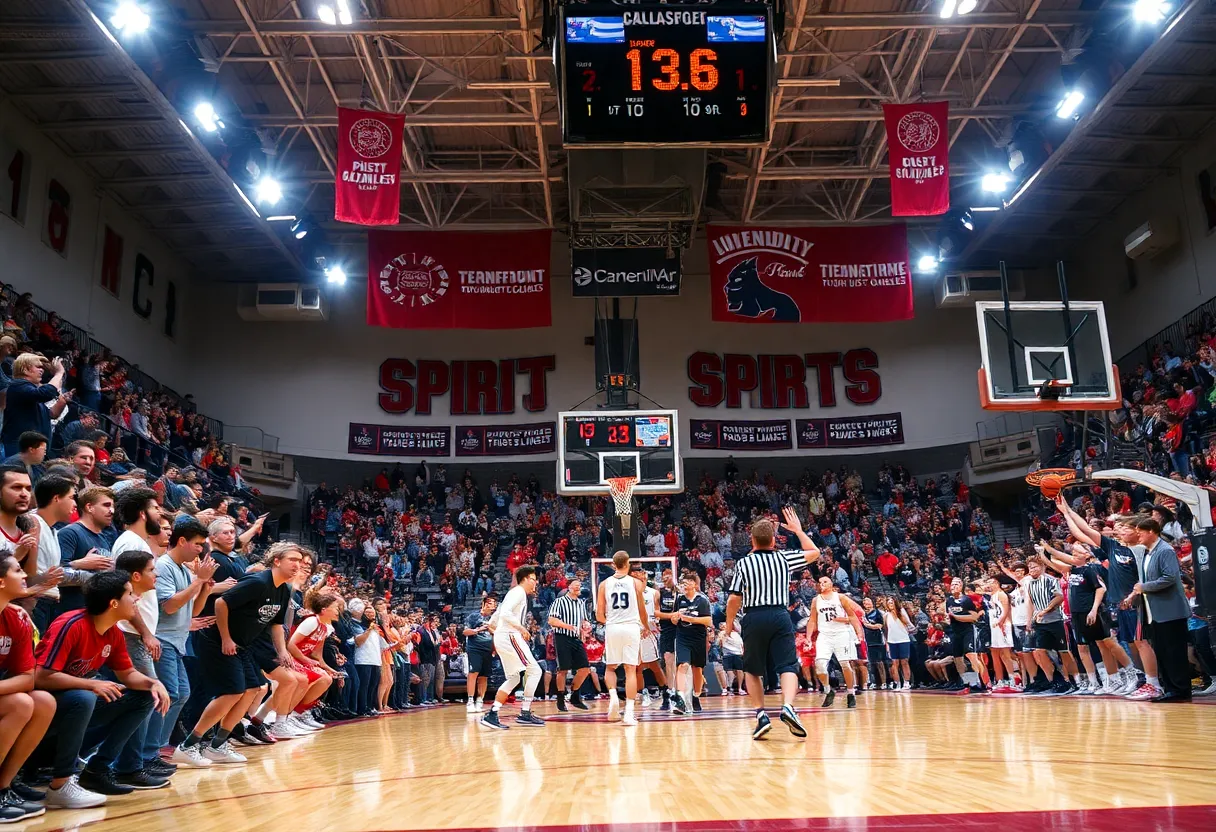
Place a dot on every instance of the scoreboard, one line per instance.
(594, 445)
(653, 74)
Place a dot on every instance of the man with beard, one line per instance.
(15, 493)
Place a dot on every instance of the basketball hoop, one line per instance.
(621, 489)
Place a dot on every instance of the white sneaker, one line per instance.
(907, 686)
(72, 795)
(225, 754)
(299, 725)
(1210, 690)
(646, 699)
(614, 705)
(470, 707)
(282, 731)
(191, 757)
(628, 719)
(479, 706)
(307, 719)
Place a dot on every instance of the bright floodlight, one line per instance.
(344, 15)
(326, 14)
(967, 6)
(205, 114)
(1068, 106)
(948, 7)
(131, 18)
(927, 263)
(268, 191)
(1150, 11)
(335, 275)
(996, 183)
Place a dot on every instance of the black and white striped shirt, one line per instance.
(1043, 590)
(763, 577)
(568, 610)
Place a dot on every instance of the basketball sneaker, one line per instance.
(763, 726)
(490, 720)
(614, 704)
(645, 699)
(852, 701)
(677, 704)
(1144, 693)
(790, 717)
(830, 698)
(529, 718)
(696, 704)
(470, 707)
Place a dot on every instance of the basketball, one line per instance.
(1051, 486)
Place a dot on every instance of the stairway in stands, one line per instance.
(1006, 533)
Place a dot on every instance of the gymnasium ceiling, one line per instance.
(483, 149)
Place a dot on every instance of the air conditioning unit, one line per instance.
(1152, 238)
(956, 289)
(993, 454)
(281, 302)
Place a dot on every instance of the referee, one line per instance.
(761, 587)
(566, 617)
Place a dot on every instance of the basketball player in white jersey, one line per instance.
(650, 644)
(1016, 573)
(511, 640)
(1000, 624)
(836, 628)
(621, 608)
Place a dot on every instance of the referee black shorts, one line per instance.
(768, 641)
(571, 654)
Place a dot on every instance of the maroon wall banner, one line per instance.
(458, 280)
(738, 435)
(782, 380)
(368, 181)
(918, 146)
(111, 261)
(850, 274)
(505, 440)
(477, 388)
(389, 440)
(855, 432)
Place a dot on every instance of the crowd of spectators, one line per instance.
(1169, 406)
(66, 391)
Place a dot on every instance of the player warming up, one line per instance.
(511, 637)
(621, 608)
(836, 630)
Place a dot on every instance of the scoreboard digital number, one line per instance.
(616, 433)
(657, 74)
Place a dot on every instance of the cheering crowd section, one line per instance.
(80, 391)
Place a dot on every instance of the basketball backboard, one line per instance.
(1041, 355)
(593, 445)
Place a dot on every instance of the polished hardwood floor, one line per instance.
(899, 760)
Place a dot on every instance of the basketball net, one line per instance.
(621, 489)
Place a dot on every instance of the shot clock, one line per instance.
(651, 74)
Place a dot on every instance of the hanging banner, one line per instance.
(855, 432)
(918, 146)
(505, 440)
(389, 440)
(458, 280)
(847, 274)
(625, 272)
(739, 435)
(368, 186)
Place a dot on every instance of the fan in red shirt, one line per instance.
(76, 646)
(25, 713)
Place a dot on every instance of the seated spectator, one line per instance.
(31, 452)
(92, 711)
(25, 713)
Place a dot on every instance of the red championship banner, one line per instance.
(849, 274)
(458, 280)
(368, 186)
(918, 144)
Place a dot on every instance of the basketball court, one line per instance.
(900, 760)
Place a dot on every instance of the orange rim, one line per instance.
(1035, 478)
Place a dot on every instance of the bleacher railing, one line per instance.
(1175, 334)
(91, 346)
